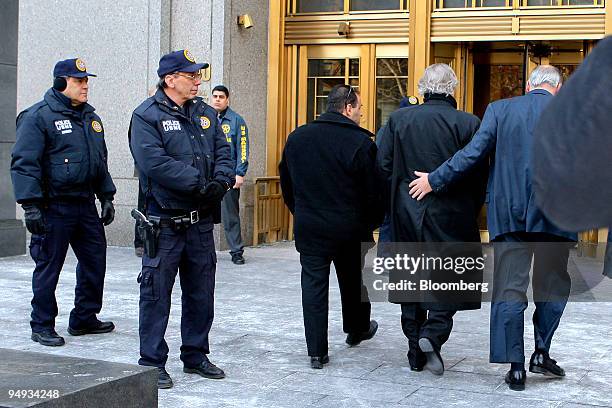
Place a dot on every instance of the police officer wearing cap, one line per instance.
(185, 169)
(58, 168)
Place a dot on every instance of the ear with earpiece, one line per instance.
(60, 84)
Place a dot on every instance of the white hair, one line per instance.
(438, 79)
(545, 74)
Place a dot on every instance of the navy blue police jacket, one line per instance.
(60, 152)
(177, 151)
(237, 134)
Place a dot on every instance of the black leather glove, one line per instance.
(108, 212)
(213, 192)
(33, 219)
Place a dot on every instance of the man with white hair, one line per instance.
(517, 227)
(423, 137)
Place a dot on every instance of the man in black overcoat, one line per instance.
(329, 183)
(424, 137)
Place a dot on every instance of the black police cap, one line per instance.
(73, 67)
(178, 61)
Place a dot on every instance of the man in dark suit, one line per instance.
(422, 138)
(329, 184)
(518, 228)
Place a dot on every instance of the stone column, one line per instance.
(12, 231)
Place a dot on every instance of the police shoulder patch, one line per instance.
(226, 128)
(413, 100)
(204, 122)
(80, 65)
(189, 56)
(97, 126)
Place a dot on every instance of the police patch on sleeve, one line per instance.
(97, 126)
(189, 56)
(80, 64)
(204, 122)
(226, 128)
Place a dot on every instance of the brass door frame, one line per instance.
(367, 54)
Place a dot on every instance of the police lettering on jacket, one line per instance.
(178, 150)
(237, 135)
(60, 152)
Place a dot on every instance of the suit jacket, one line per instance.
(505, 136)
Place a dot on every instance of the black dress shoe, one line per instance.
(206, 369)
(516, 379)
(417, 360)
(238, 259)
(317, 362)
(353, 339)
(164, 380)
(48, 338)
(434, 363)
(98, 328)
(541, 363)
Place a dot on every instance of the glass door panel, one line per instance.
(323, 75)
(391, 87)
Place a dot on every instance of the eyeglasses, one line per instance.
(348, 95)
(194, 77)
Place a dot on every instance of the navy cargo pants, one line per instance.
(75, 223)
(191, 252)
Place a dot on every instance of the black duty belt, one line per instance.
(181, 221)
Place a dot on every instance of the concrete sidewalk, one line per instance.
(258, 339)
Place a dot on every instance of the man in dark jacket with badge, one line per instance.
(185, 169)
(237, 134)
(518, 228)
(58, 168)
(328, 181)
(423, 137)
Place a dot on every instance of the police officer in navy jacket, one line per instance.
(58, 167)
(185, 169)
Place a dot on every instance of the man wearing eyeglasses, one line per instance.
(185, 169)
(328, 180)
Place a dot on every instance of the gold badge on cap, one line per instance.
(204, 122)
(413, 100)
(189, 57)
(226, 128)
(80, 64)
(97, 126)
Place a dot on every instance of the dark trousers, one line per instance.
(418, 322)
(551, 287)
(230, 215)
(75, 223)
(192, 254)
(315, 296)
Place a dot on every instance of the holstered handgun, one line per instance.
(148, 229)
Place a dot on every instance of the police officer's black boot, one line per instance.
(48, 338)
(164, 380)
(98, 327)
(206, 369)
